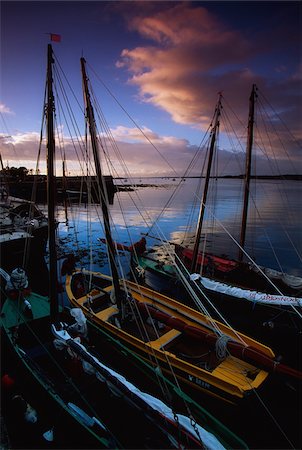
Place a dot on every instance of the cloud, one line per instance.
(159, 155)
(194, 55)
(132, 148)
(191, 55)
(5, 109)
(193, 29)
(25, 144)
(134, 134)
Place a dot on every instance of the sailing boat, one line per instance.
(23, 234)
(49, 343)
(30, 323)
(201, 353)
(239, 290)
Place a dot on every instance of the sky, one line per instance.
(165, 63)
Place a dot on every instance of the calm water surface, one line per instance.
(165, 208)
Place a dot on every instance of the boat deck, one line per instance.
(159, 335)
(175, 343)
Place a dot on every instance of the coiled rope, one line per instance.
(221, 346)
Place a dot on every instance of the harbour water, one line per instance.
(164, 208)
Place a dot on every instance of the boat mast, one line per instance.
(102, 187)
(1, 162)
(64, 188)
(206, 183)
(53, 271)
(248, 163)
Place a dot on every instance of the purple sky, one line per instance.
(166, 63)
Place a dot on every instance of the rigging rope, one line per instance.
(221, 346)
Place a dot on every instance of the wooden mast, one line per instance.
(248, 162)
(53, 271)
(206, 184)
(64, 188)
(1, 162)
(102, 187)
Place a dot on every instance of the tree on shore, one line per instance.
(19, 173)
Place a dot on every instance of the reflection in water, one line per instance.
(273, 233)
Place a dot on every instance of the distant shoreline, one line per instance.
(42, 178)
(23, 188)
(254, 177)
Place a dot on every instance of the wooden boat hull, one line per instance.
(240, 418)
(277, 326)
(50, 400)
(13, 253)
(233, 272)
(226, 380)
(39, 367)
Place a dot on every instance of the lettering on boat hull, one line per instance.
(199, 382)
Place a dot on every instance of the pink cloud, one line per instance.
(175, 74)
(133, 149)
(162, 155)
(192, 55)
(182, 24)
(133, 134)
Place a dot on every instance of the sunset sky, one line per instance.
(165, 62)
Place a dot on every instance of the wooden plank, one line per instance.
(107, 313)
(165, 338)
(233, 369)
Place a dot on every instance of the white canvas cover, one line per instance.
(252, 296)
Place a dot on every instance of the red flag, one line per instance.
(55, 37)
